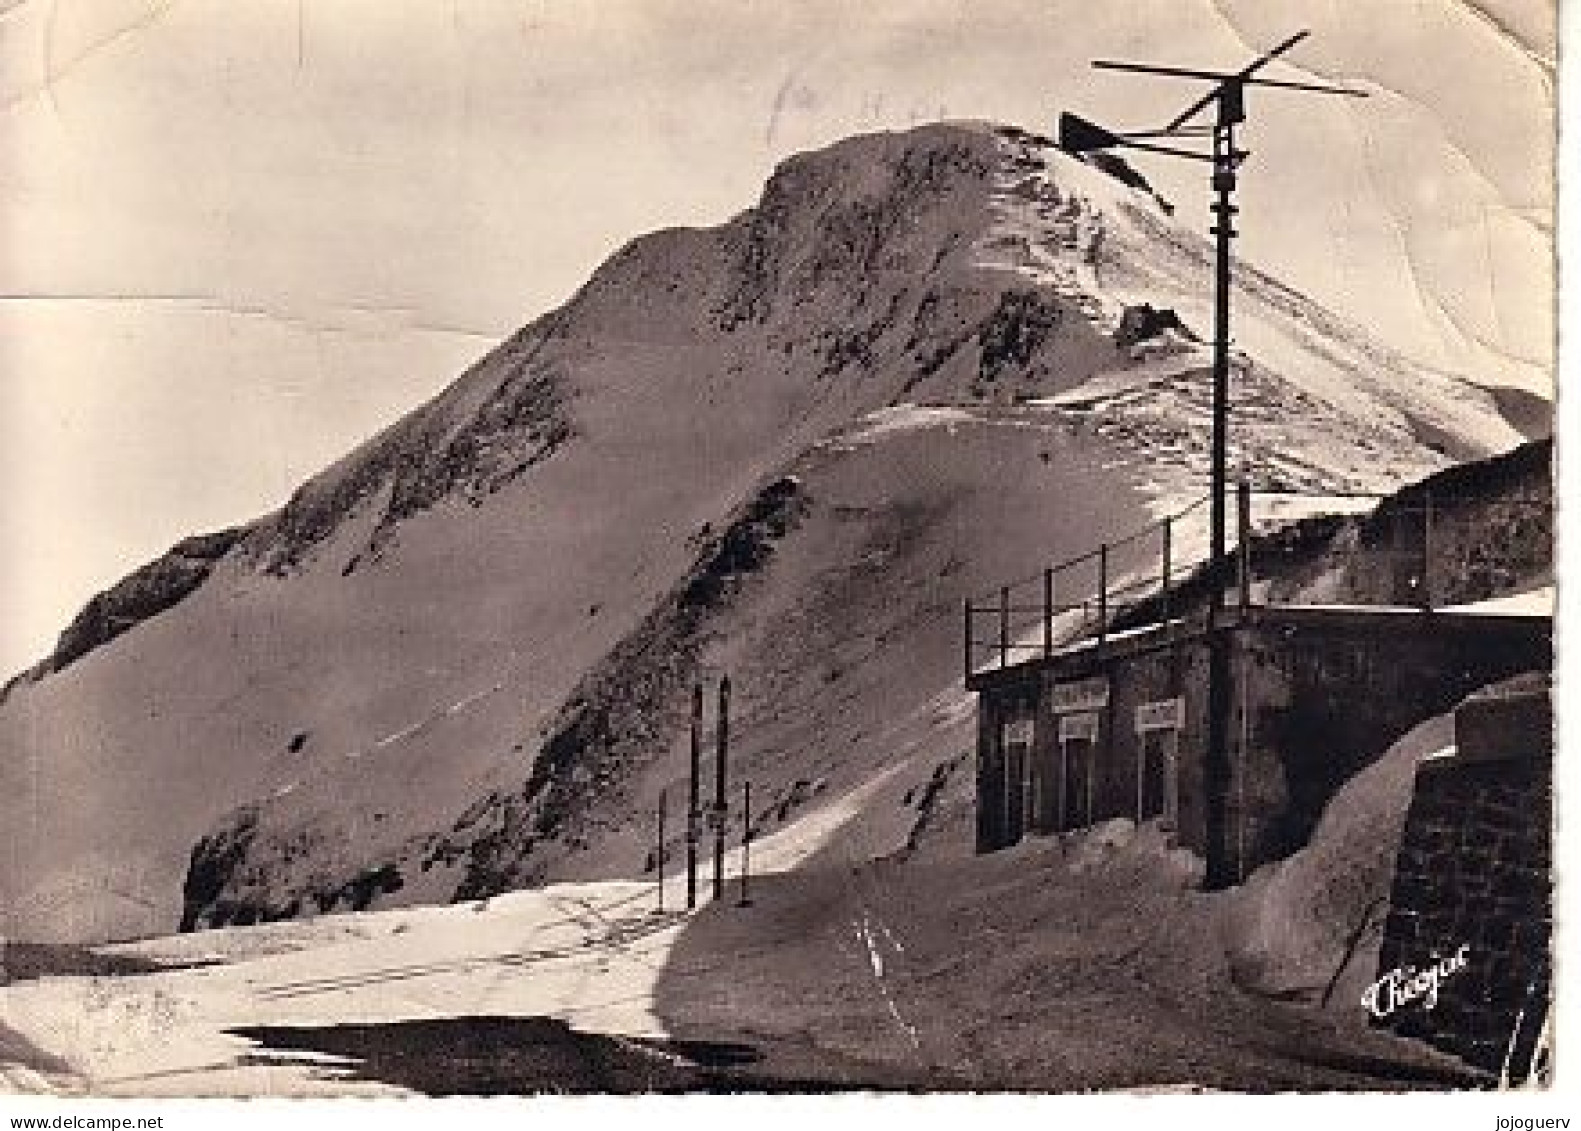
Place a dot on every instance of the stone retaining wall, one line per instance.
(1471, 906)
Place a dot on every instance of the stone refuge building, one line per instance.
(1116, 727)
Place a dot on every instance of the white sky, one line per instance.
(241, 235)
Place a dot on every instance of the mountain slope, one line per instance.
(458, 659)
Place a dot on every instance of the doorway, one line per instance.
(1018, 793)
(1078, 740)
(1158, 727)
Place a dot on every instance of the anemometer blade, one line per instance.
(1259, 63)
(1195, 108)
(1155, 69)
(1230, 84)
(1319, 88)
(1080, 136)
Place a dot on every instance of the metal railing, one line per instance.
(1412, 549)
(1081, 596)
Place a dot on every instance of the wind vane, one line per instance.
(1077, 136)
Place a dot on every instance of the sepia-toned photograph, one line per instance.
(777, 547)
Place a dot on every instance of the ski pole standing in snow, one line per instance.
(746, 843)
(660, 857)
(693, 816)
(721, 803)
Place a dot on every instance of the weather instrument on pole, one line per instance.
(1077, 135)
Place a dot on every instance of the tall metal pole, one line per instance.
(1004, 626)
(721, 803)
(1426, 594)
(660, 858)
(1243, 544)
(1163, 584)
(693, 815)
(966, 639)
(1079, 136)
(1103, 590)
(1048, 611)
(1217, 768)
(746, 843)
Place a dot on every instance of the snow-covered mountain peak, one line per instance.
(460, 658)
(955, 263)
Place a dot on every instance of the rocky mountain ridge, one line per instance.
(456, 660)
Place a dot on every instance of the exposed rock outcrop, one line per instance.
(146, 593)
